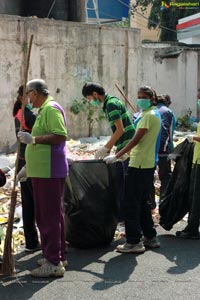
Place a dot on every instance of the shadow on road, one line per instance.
(22, 285)
(116, 270)
(106, 267)
(183, 252)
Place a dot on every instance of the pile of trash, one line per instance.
(85, 148)
(77, 150)
(17, 234)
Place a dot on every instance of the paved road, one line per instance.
(171, 272)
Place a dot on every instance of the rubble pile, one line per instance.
(18, 234)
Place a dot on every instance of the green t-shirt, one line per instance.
(196, 155)
(48, 161)
(116, 110)
(143, 155)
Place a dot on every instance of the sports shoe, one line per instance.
(49, 270)
(131, 248)
(31, 250)
(188, 235)
(151, 242)
(42, 261)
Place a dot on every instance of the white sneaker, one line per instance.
(131, 248)
(49, 270)
(42, 261)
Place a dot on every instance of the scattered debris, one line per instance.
(83, 149)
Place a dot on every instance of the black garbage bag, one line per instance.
(91, 208)
(175, 202)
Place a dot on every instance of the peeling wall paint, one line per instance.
(67, 54)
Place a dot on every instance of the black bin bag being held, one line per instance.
(175, 203)
(90, 203)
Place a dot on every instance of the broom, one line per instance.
(8, 267)
(126, 99)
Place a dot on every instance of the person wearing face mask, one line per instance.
(47, 166)
(120, 124)
(152, 199)
(143, 150)
(117, 115)
(28, 120)
(191, 231)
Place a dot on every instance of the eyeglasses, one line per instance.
(28, 92)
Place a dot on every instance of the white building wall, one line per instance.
(174, 76)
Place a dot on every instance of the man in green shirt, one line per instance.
(117, 115)
(121, 126)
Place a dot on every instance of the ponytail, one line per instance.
(18, 103)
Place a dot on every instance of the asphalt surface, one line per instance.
(170, 272)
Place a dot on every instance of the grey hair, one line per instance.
(39, 85)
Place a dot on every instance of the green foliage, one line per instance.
(184, 122)
(94, 112)
(125, 23)
(166, 19)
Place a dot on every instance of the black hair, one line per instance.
(148, 91)
(161, 99)
(165, 99)
(18, 103)
(90, 87)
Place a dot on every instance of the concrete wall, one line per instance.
(176, 76)
(68, 54)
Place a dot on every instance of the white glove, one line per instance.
(190, 138)
(25, 137)
(101, 153)
(21, 176)
(110, 159)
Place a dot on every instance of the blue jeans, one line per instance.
(136, 206)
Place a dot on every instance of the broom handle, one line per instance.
(125, 98)
(23, 105)
(8, 261)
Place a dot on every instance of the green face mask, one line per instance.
(198, 102)
(143, 103)
(95, 102)
(29, 106)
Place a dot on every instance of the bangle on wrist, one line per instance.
(34, 140)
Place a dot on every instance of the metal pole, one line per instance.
(81, 12)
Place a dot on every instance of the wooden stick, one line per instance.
(8, 267)
(125, 98)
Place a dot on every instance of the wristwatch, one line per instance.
(34, 140)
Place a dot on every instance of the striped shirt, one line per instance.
(116, 110)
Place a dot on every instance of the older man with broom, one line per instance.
(46, 165)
